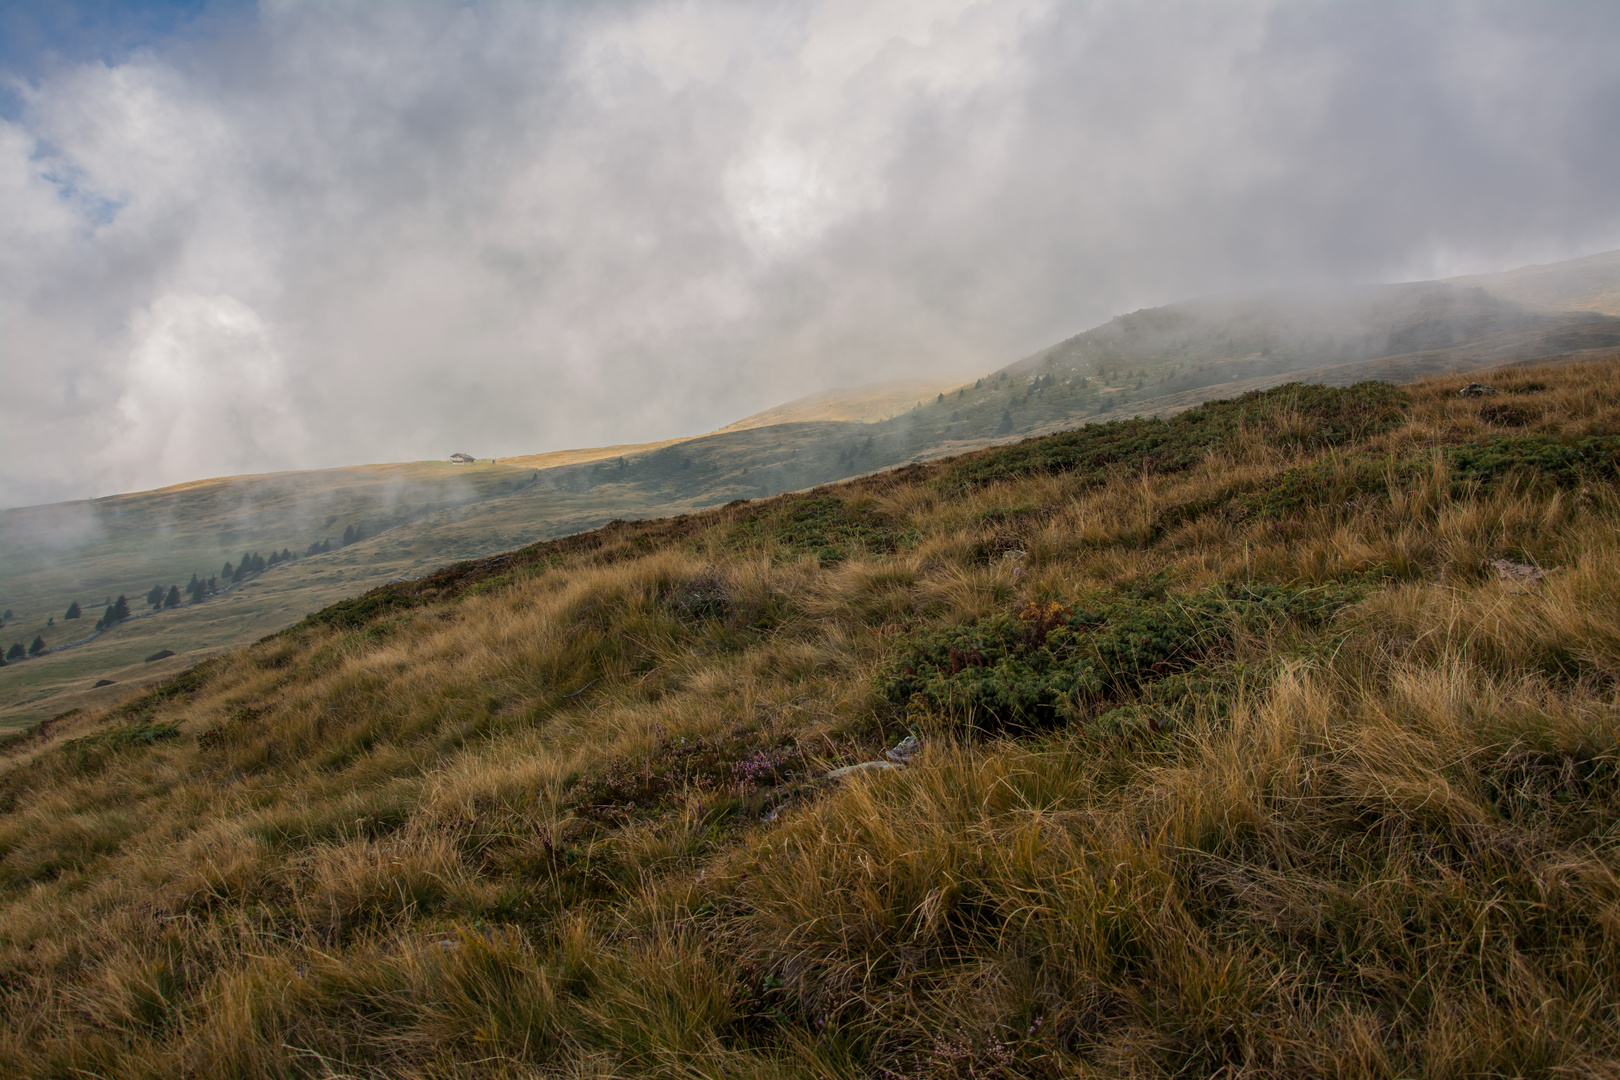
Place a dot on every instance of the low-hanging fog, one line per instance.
(309, 234)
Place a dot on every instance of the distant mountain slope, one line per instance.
(553, 458)
(1589, 284)
(1288, 331)
(415, 518)
(870, 403)
(858, 404)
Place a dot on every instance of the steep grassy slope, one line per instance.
(417, 517)
(1238, 758)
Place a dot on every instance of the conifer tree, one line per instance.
(120, 609)
(17, 652)
(155, 596)
(225, 571)
(172, 600)
(37, 647)
(73, 611)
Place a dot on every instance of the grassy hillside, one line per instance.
(861, 404)
(1238, 757)
(1589, 284)
(418, 517)
(91, 552)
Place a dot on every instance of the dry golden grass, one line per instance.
(569, 821)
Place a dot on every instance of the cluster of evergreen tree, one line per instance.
(319, 547)
(352, 535)
(116, 613)
(160, 599)
(17, 652)
(199, 590)
(196, 591)
(1040, 384)
(252, 563)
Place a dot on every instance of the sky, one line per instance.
(241, 237)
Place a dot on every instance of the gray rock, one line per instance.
(903, 753)
(1476, 389)
(1518, 572)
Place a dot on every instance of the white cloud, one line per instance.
(204, 385)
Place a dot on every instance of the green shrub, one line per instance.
(1336, 484)
(1552, 461)
(825, 526)
(1297, 415)
(181, 686)
(1047, 664)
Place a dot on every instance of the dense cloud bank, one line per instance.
(320, 234)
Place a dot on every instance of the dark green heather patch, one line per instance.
(183, 685)
(823, 525)
(1168, 703)
(1551, 461)
(1341, 486)
(1338, 486)
(1296, 415)
(1047, 664)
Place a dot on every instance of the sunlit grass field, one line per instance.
(1239, 758)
